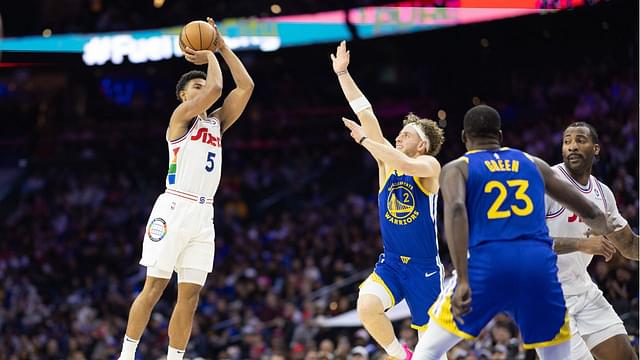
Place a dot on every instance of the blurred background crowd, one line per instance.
(83, 156)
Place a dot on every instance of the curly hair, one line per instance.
(434, 133)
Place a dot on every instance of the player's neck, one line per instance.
(580, 175)
(484, 145)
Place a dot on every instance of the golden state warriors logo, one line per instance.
(401, 204)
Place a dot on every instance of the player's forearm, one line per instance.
(626, 241)
(391, 157)
(214, 75)
(349, 87)
(631, 250)
(457, 230)
(365, 113)
(565, 245)
(239, 73)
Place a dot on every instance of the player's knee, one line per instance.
(153, 289)
(368, 306)
(188, 294)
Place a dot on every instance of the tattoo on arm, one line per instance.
(563, 245)
(626, 241)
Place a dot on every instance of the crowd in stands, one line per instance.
(296, 210)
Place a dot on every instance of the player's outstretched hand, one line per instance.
(598, 245)
(341, 58)
(461, 301)
(199, 57)
(356, 130)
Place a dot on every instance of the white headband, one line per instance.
(419, 130)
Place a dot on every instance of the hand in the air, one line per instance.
(341, 58)
(356, 130)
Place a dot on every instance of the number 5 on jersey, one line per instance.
(210, 161)
(522, 186)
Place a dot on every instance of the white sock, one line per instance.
(129, 346)
(174, 354)
(395, 350)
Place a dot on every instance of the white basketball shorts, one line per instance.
(593, 321)
(180, 233)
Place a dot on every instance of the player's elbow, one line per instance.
(215, 92)
(457, 208)
(406, 167)
(248, 84)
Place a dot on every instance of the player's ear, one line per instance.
(500, 136)
(596, 149)
(183, 95)
(463, 137)
(424, 147)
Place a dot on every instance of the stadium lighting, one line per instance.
(276, 9)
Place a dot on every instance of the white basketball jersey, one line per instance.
(572, 268)
(195, 159)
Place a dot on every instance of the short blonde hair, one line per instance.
(434, 133)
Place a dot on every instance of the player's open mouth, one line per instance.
(574, 157)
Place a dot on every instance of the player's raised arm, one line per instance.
(189, 108)
(453, 186)
(235, 103)
(358, 102)
(423, 166)
(573, 200)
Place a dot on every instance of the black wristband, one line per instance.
(361, 140)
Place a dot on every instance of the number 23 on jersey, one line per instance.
(521, 206)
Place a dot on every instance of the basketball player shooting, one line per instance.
(180, 233)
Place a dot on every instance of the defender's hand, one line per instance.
(356, 130)
(461, 301)
(199, 57)
(341, 58)
(597, 245)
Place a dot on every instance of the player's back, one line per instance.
(511, 265)
(505, 197)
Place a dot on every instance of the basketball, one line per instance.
(198, 35)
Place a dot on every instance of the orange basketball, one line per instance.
(198, 35)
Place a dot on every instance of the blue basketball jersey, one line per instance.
(408, 217)
(505, 197)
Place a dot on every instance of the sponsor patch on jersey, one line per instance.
(157, 229)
